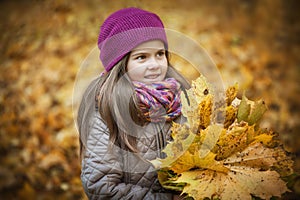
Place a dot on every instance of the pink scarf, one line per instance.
(159, 101)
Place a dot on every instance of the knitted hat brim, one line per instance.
(117, 46)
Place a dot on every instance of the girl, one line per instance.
(125, 115)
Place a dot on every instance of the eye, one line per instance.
(160, 53)
(140, 57)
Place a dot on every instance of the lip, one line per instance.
(152, 76)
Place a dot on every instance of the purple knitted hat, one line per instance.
(125, 29)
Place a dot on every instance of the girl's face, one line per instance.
(147, 62)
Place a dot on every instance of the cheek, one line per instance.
(165, 67)
(165, 63)
(135, 73)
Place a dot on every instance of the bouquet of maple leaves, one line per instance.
(233, 160)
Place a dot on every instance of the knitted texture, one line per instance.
(125, 29)
(159, 101)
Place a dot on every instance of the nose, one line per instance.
(153, 64)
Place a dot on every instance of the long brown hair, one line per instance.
(118, 104)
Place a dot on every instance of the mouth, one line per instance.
(152, 76)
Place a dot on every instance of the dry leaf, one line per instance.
(236, 161)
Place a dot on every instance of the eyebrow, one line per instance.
(141, 51)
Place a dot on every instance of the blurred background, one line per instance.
(44, 42)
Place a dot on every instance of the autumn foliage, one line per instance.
(44, 43)
(234, 160)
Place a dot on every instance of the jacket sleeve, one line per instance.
(102, 173)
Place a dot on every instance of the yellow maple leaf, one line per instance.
(205, 112)
(175, 149)
(209, 138)
(244, 110)
(200, 89)
(193, 161)
(230, 115)
(235, 161)
(251, 111)
(248, 173)
(233, 140)
(199, 97)
(239, 183)
(256, 155)
(188, 110)
(231, 93)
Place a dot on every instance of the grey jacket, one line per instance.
(112, 173)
